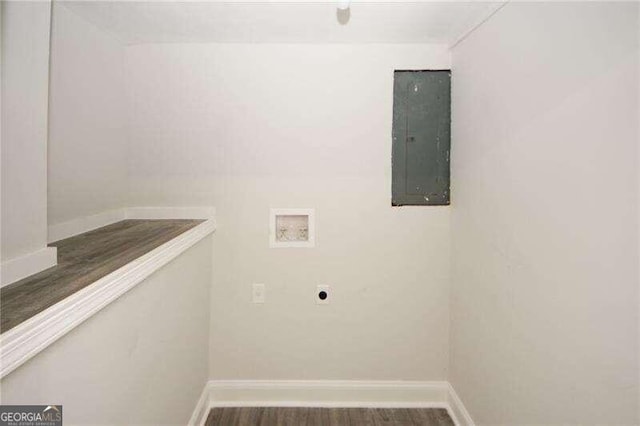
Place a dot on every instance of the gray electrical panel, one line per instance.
(421, 138)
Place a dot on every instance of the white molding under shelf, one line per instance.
(28, 338)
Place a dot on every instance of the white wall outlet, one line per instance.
(323, 294)
(258, 293)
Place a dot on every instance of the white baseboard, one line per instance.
(21, 267)
(329, 393)
(201, 411)
(457, 409)
(170, 212)
(77, 226)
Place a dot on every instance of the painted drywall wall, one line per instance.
(87, 141)
(25, 83)
(545, 215)
(638, 201)
(249, 127)
(141, 360)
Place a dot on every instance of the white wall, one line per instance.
(87, 140)
(248, 127)
(545, 215)
(638, 200)
(25, 76)
(141, 360)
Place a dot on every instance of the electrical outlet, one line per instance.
(323, 294)
(258, 293)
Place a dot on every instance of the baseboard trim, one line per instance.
(200, 413)
(77, 226)
(330, 393)
(80, 225)
(458, 411)
(171, 212)
(21, 267)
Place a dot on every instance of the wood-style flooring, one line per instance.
(82, 260)
(285, 416)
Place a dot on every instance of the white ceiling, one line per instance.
(136, 22)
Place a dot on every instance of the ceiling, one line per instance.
(135, 22)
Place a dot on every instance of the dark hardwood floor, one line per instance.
(82, 260)
(281, 416)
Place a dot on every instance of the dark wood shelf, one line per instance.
(82, 260)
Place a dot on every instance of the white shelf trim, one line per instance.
(25, 340)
